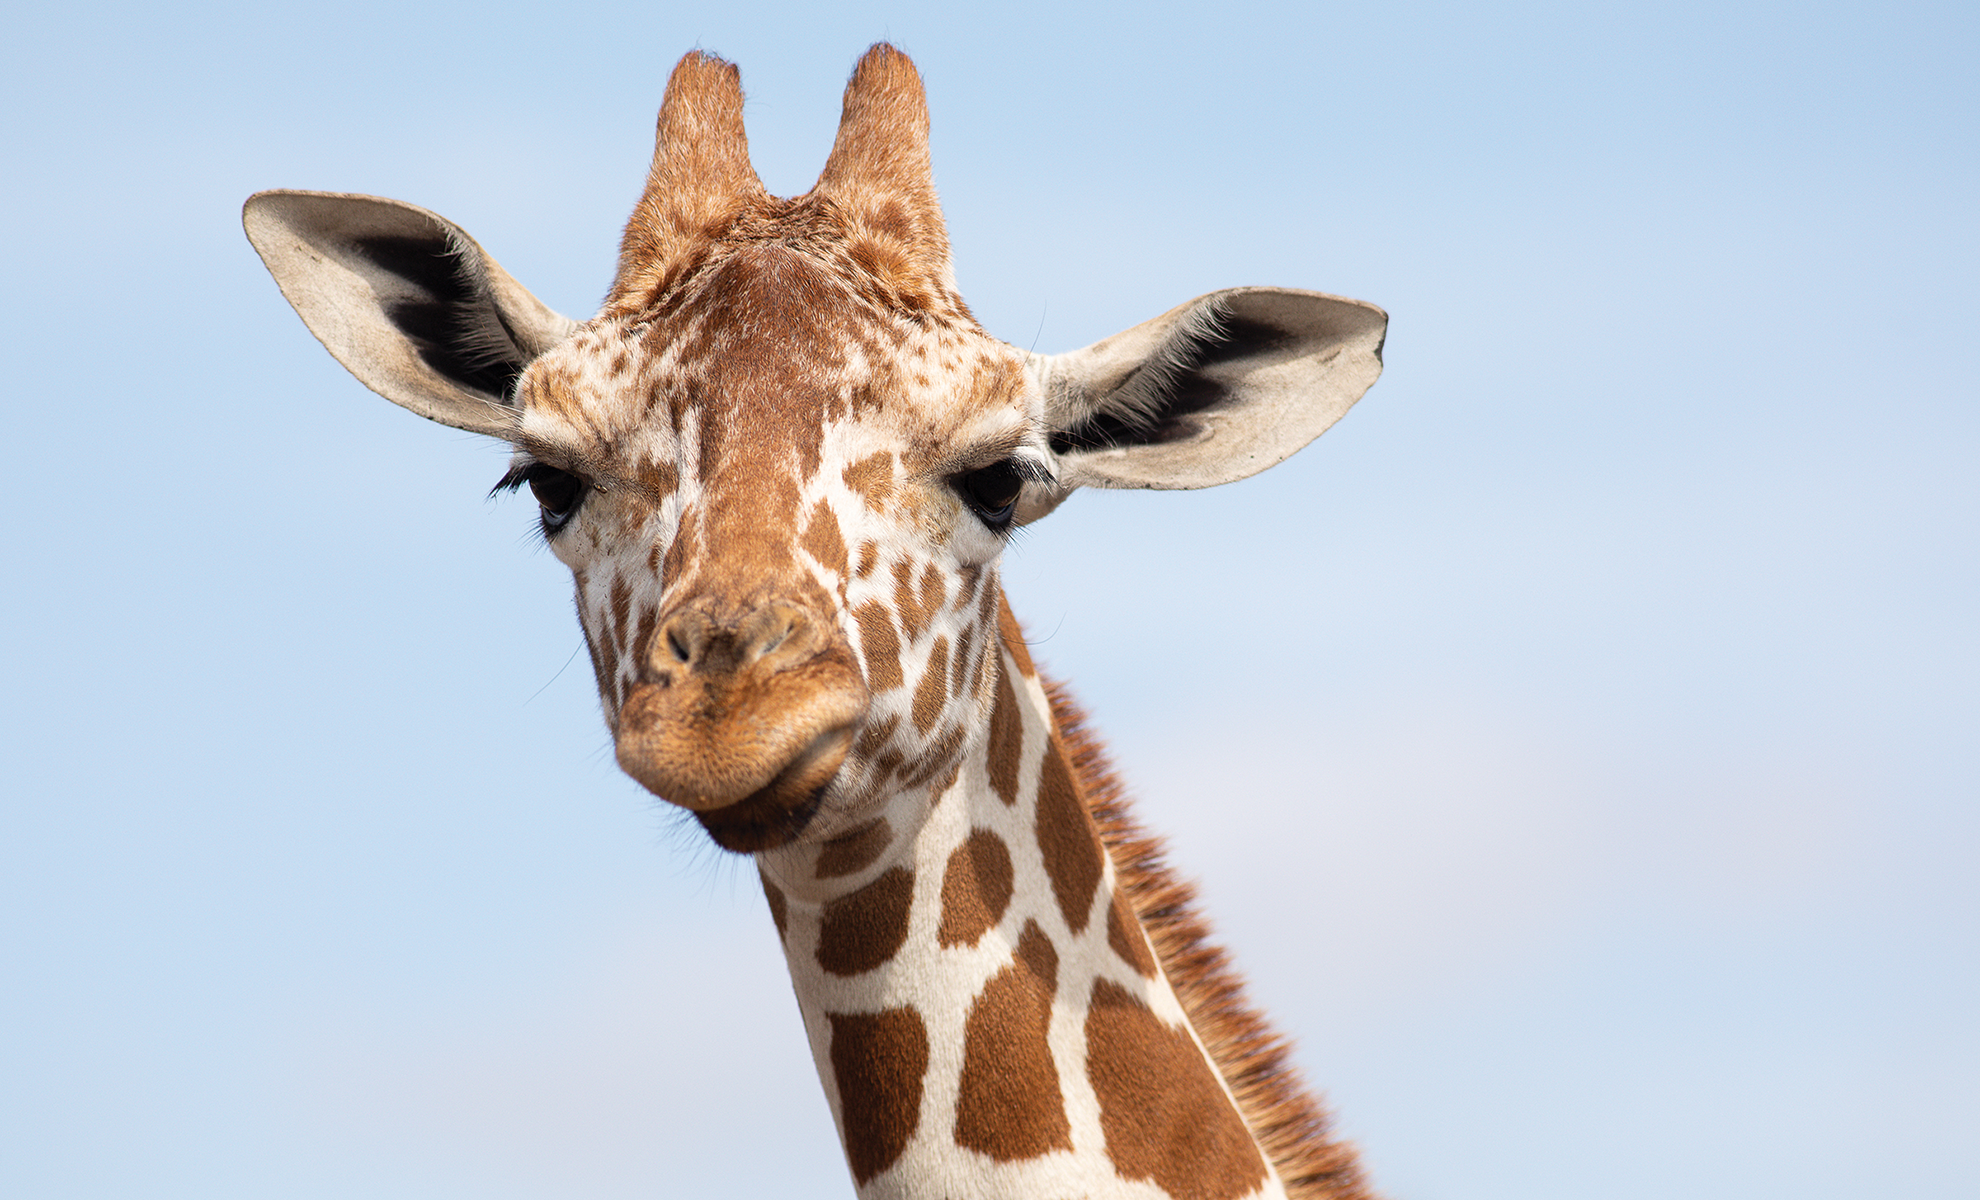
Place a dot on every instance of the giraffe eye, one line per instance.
(559, 492)
(992, 492)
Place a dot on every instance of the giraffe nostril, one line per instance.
(675, 644)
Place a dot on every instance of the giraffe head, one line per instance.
(782, 460)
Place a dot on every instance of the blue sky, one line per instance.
(1577, 745)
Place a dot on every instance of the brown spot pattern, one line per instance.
(934, 591)
(933, 690)
(907, 605)
(874, 735)
(862, 930)
(850, 853)
(685, 548)
(869, 558)
(779, 910)
(1006, 739)
(1125, 937)
(940, 757)
(1067, 840)
(657, 479)
(793, 332)
(1013, 638)
(872, 478)
(822, 540)
(649, 620)
(976, 889)
(1163, 1114)
(1008, 1105)
(941, 786)
(965, 644)
(878, 1061)
(880, 645)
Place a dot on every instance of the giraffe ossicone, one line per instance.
(781, 463)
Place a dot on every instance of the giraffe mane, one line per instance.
(1255, 1060)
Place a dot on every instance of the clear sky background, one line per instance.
(1579, 745)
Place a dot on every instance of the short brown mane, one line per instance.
(1254, 1059)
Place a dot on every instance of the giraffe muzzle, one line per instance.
(743, 718)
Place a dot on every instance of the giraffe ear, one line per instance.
(1209, 392)
(406, 301)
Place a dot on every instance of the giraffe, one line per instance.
(781, 463)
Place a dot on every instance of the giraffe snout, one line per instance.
(702, 641)
(744, 715)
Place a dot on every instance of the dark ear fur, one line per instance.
(1214, 390)
(1158, 401)
(446, 312)
(407, 301)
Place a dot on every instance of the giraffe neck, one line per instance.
(985, 1010)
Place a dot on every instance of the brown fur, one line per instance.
(863, 930)
(851, 853)
(1006, 739)
(881, 1058)
(1124, 936)
(1162, 1112)
(932, 693)
(1065, 841)
(1008, 1104)
(769, 300)
(880, 645)
(779, 908)
(976, 889)
(1254, 1059)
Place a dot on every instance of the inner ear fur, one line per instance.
(1211, 391)
(407, 301)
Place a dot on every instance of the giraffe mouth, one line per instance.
(751, 757)
(763, 821)
(778, 813)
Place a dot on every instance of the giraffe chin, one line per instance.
(777, 814)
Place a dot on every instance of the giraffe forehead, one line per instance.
(769, 362)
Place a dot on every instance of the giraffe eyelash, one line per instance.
(559, 493)
(513, 478)
(1034, 470)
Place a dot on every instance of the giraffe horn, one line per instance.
(700, 178)
(879, 169)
